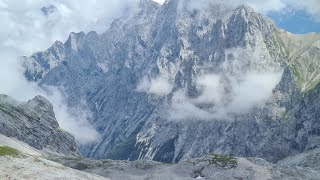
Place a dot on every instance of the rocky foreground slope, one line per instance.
(20, 161)
(210, 167)
(34, 123)
(173, 82)
(29, 132)
(25, 162)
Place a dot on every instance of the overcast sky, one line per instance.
(295, 16)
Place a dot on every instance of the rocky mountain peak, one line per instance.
(42, 106)
(74, 40)
(148, 5)
(247, 14)
(34, 123)
(57, 45)
(120, 73)
(244, 9)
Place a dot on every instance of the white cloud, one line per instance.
(74, 120)
(245, 82)
(159, 1)
(159, 86)
(312, 7)
(210, 88)
(182, 108)
(25, 29)
(252, 91)
(266, 6)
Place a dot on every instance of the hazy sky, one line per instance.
(295, 16)
(297, 21)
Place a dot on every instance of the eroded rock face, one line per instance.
(34, 123)
(177, 45)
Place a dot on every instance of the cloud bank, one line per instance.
(75, 120)
(245, 81)
(26, 29)
(159, 86)
(214, 102)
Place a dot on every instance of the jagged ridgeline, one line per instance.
(150, 63)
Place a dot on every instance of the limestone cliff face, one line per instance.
(34, 123)
(176, 45)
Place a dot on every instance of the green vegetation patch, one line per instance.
(299, 77)
(223, 161)
(8, 151)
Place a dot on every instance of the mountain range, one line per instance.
(176, 91)
(174, 82)
(49, 157)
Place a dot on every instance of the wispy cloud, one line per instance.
(311, 7)
(245, 81)
(214, 102)
(159, 86)
(26, 29)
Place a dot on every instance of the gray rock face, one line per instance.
(179, 45)
(34, 123)
(308, 159)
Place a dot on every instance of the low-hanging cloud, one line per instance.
(73, 119)
(237, 88)
(211, 89)
(253, 91)
(159, 86)
(27, 27)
